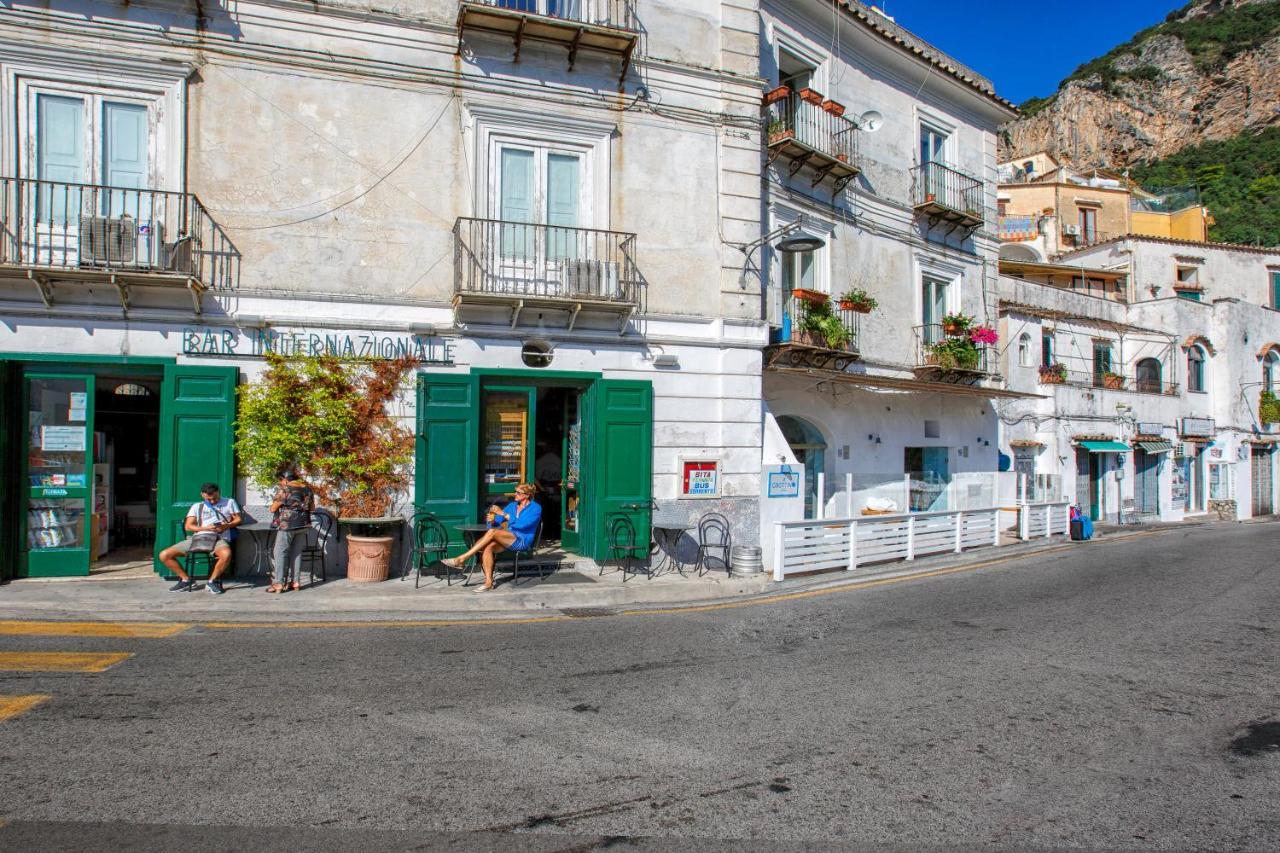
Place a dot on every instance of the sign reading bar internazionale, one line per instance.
(258, 343)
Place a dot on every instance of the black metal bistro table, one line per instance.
(471, 534)
(667, 536)
(259, 534)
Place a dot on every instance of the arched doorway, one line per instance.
(810, 449)
(1148, 376)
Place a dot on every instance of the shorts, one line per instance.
(185, 545)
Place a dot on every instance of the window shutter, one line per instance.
(563, 189)
(124, 158)
(59, 155)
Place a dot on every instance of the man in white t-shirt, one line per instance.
(213, 515)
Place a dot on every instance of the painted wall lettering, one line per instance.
(257, 343)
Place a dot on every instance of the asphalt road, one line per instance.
(1093, 697)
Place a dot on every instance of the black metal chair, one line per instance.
(430, 545)
(713, 538)
(513, 560)
(189, 563)
(623, 546)
(314, 552)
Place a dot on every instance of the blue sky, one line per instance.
(1027, 47)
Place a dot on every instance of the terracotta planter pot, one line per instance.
(813, 96)
(816, 297)
(1113, 383)
(952, 329)
(779, 135)
(1050, 377)
(776, 94)
(843, 158)
(834, 107)
(368, 558)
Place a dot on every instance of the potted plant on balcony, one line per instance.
(821, 327)
(984, 336)
(858, 301)
(956, 323)
(813, 96)
(777, 94)
(813, 297)
(955, 353)
(777, 130)
(1268, 408)
(328, 418)
(1112, 381)
(834, 107)
(1053, 374)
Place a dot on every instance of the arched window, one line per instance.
(1148, 376)
(1270, 370)
(1024, 350)
(810, 449)
(1195, 368)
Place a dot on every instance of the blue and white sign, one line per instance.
(783, 484)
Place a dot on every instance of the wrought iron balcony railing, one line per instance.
(525, 261)
(942, 192)
(78, 229)
(1138, 384)
(813, 135)
(951, 353)
(820, 324)
(615, 14)
(607, 26)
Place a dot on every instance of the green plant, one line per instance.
(821, 322)
(1269, 408)
(954, 354)
(775, 127)
(956, 323)
(1053, 372)
(328, 417)
(860, 299)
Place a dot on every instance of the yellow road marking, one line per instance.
(385, 623)
(145, 630)
(12, 706)
(61, 661)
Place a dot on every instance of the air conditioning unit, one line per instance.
(1069, 230)
(108, 242)
(591, 279)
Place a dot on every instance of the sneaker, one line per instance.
(182, 586)
(215, 587)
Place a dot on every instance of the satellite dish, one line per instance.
(870, 121)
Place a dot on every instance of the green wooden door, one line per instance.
(57, 477)
(10, 431)
(446, 473)
(622, 412)
(197, 436)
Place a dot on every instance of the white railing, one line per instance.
(1042, 520)
(847, 543)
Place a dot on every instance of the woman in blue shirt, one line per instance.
(521, 518)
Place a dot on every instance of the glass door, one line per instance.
(58, 475)
(571, 491)
(506, 451)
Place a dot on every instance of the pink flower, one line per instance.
(983, 335)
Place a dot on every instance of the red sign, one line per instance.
(700, 478)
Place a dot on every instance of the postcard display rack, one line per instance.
(506, 442)
(57, 471)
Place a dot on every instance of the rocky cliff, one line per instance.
(1209, 72)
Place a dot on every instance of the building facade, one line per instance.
(540, 202)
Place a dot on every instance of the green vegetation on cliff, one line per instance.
(1239, 181)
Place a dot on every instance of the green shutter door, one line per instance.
(446, 475)
(623, 456)
(197, 435)
(10, 432)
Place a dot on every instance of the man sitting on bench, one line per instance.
(215, 517)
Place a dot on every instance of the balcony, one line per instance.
(54, 232)
(605, 26)
(807, 134)
(510, 272)
(947, 195)
(951, 357)
(1137, 384)
(815, 333)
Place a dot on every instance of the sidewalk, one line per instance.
(572, 590)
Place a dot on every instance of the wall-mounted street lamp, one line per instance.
(790, 246)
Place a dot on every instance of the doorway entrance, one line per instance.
(102, 458)
(1260, 460)
(810, 450)
(1089, 493)
(587, 441)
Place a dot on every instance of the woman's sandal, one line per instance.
(452, 562)
(295, 586)
(276, 587)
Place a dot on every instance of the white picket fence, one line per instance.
(1043, 519)
(846, 543)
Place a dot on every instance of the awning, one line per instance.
(1155, 446)
(1105, 446)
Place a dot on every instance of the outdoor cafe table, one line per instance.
(666, 534)
(259, 535)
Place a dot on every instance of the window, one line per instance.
(1024, 350)
(933, 143)
(1148, 376)
(1188, 277)
(542, 186)
(1046, 348)
(799, 269)
(933, 307)
(1101, 361)
(1192, 295)
(1088, 224)
(1220, 485)
(1275, 289)
(1195, 369)
(794, 71)
(1269, 372)
(1002, 207)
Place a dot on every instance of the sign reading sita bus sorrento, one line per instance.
(258, 343)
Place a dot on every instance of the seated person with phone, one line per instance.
(520, 519)
(211, 525)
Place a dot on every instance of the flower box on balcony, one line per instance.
(779, 135)
(813, 96)
(813, 297)
(777, 94)
(834, 107)
(858, 301)
(1055, 374)
(1113, 381)
(843, 158)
